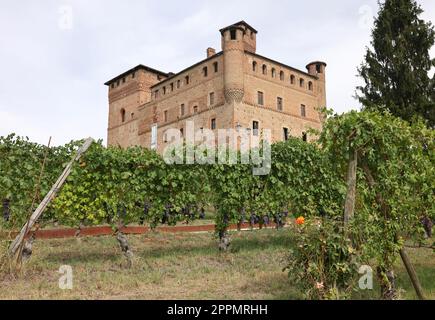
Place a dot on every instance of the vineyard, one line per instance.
(360, 194)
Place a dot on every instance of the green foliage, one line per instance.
(301, 181)
(112, 185)
(396, 178)
(395, 191)
(20, 168)
(396, 70)
(117, 186)
(323, 263)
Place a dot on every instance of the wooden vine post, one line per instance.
(412, 274)
(405, 259)
(15, 245)
(349, 206)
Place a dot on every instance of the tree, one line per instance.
(396, 69)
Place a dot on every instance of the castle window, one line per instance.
(279, 103)
(281, 76)
(123, 80)
(233, 34)
(255, 128)
(123, 115)
(303, 111)
(310, 86)
(318, 68)
(195, 109)
(133, 75)
(264, 69)
(117, 83)
(178, 84)
(166, 115)
(186, 79)
(301, 82)
(273, 72)
(304, 136)
(182, 109)
(164, 90)
(260, 96)
(156, 94)
(113, 85)
(172, 87)
(285, 134)
(252, 35)
(213, 124)
(205, 71)
(254, 66)
(292, 79)
(182, 132)
(211, 98)
(216, 67)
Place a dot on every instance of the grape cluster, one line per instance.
(202, 214)
(280, 218)
(427, 225)
(255, 219)
(6, 210)
(242, 216)
(121, 211)
(109, 213)
(167, 214)
(266, 220)
(146, 209)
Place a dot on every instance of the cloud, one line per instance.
(53, 65)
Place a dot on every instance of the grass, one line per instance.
(177, 266)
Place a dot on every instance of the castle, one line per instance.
(233, 88)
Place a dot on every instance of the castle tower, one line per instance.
(318, 68)
(236, 39)
(127, 92)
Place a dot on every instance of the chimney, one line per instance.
(210, 52)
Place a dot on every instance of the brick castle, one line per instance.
(233, 88)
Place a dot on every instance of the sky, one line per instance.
(55, 56)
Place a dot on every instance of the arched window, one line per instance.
(264, 69)
(254, 66)
(281, 76)
(301, 82)
(123, 115)
(303, 110)
(273, 72)
(310, 86)
(233, 34)
(318, 68)
(292, 79)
